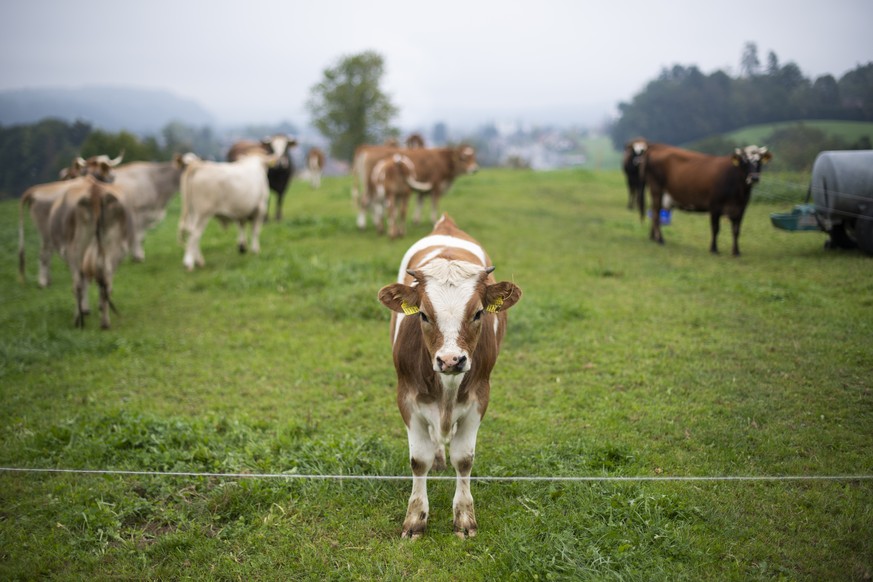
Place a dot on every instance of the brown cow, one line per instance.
(448, 321)
(315, 165)
(39, 199)
(703, 183)
(93, 231)
(437, 167)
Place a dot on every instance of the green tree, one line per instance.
(33, 154)
(749, 63)
(179, 138)
(856, 92)
(349, 107)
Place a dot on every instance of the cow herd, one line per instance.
(448, 311)
(101, 210)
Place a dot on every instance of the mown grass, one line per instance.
(624, 358)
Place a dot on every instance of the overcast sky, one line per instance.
(461, 62)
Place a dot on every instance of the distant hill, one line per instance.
(106, 107)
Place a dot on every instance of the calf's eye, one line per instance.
(478, 315)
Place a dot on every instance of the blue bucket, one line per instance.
(665, 216)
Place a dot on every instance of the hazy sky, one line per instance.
(462, 62)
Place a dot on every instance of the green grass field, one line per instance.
(850, 131)
(623, 359)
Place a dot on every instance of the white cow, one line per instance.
(230, 191)
(147, 188)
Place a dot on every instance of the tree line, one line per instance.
(683, 105)
(35, 153)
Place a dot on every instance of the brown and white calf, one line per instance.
(93, 231)
(315, 166)
(448, 321)
(393, 180)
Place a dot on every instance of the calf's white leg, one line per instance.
(421, 457)
(462, 452)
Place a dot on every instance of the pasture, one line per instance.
(623, 359)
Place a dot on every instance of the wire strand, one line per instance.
(522, 478)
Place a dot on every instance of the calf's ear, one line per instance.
(501, 296)
(400, 298)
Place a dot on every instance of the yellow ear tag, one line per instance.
(408, 309)
(495, 307)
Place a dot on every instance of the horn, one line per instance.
(490, 270)
(116, 161)
(411, 272)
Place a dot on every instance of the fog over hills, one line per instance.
(111, 108)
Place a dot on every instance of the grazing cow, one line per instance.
(147, 188)
(440, 167)
(230, 191)
(392, 180)
(703, 183)
(633, 155)
(437, 167)
(39, 200)
(280, 173)
(92, 230)
(448, 321)
(315, 165)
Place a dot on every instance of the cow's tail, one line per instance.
(25, 202)
(409, 174)
(641, 189)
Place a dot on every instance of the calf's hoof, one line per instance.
(465, 523)
(414, 526)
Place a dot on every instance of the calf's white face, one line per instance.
(450, 312)
(450, 297)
